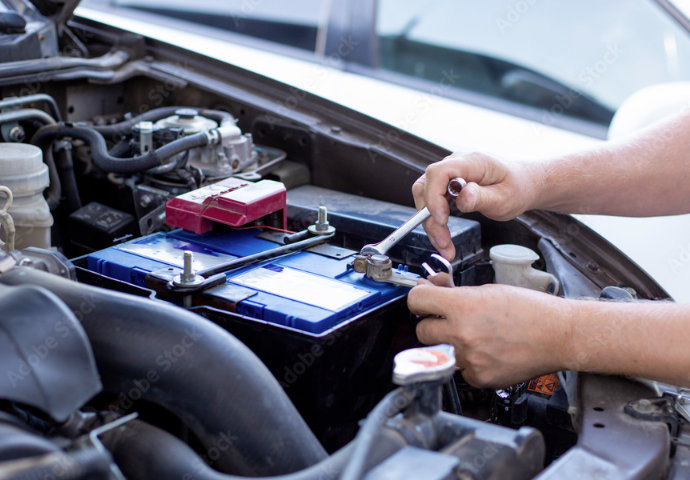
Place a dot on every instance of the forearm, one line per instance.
(645, 339)
(644, 175)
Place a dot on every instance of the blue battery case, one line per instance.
(304, 290)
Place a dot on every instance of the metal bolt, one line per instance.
(322, 220)
(187, 278)
(16, 134)
(321, 227)
(145, 200)
(188, 271)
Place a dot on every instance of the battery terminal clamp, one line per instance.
(380, 269)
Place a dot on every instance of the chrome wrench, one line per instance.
(455, 186)
(445, 264)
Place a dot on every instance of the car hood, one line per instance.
(58, 11)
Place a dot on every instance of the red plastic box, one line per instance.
(231, 202)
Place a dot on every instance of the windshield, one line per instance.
(605, 49)
(295, 23)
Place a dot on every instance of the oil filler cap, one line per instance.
(424, 364)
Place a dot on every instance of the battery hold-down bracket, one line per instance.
(232, 202)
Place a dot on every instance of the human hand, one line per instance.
(494, 189)
(502, 335)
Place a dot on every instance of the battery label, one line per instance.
(301, 286)
(171, 251)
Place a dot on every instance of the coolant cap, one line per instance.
(424, 364)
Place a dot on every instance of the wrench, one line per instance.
(446, 264)
(455, 186)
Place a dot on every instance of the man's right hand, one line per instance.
(494, 189)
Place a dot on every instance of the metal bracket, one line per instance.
(656, 409)
(681, 399)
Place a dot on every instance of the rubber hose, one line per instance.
(117, 130)
(174, 358)
(16, 443)
(53, 193)
(391, 404)
(143, 451)
(88, 464)
(62, 156)
(99, 151)
(120, 149)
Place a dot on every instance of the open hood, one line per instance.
(59, 11)
(30, 29)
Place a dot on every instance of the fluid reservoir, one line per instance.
(512, 265)
(22, 170)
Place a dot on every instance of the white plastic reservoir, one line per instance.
(513, 266)
(23, 171)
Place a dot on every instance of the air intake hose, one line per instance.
(155, 351)
(143, 451)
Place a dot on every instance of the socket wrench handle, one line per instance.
(455, 186)
(387, 243)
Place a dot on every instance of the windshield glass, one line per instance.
(295, 23)
(604, 49)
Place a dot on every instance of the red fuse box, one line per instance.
(231, 202)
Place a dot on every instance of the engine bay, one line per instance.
(184, 251)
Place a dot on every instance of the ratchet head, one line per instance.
(455, 186)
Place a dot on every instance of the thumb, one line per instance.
(486, 200)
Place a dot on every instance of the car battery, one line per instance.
(325, 332)
(308, 291)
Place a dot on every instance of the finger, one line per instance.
(436, 181)
(440, 238)
(427, 300)
(473, 167)
(418, 192)
(441, 279)
(433, 330)
(439, 235)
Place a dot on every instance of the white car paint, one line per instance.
(661, 245)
